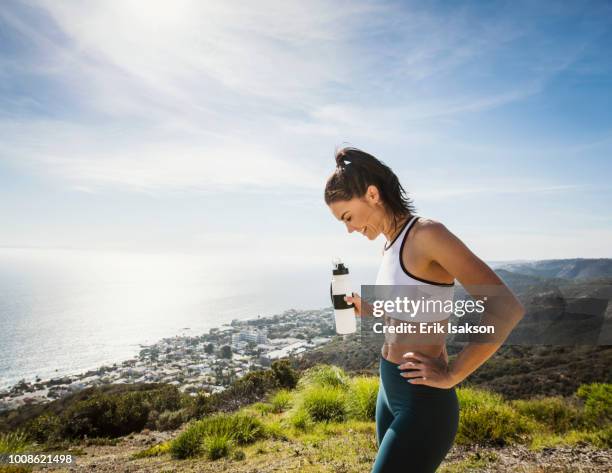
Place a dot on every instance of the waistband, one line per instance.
(391, 378)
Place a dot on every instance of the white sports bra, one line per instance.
(392, 272)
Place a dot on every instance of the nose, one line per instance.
(349, 228)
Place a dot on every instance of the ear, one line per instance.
(372, 193)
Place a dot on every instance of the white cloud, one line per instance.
(199, 95)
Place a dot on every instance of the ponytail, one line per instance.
(355, 171)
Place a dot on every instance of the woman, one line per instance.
(417, 412)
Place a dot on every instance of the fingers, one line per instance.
(417, 373)
(410, 364)
(422, 380)
(416, 355)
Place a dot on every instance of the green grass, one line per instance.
(326, 376)
(486, 418)
(217, 446)
(556, 413)
(325, 403)
(153, 451)
(597, 403)
(361, 397)
(329, 418)
(281, 400)
(600, 438)
(216, 434)
(14, 442)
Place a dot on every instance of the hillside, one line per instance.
(572, 268)
(324, 423)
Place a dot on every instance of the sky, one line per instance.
(210, 127)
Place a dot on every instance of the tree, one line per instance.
(225, 351)
(209, 349)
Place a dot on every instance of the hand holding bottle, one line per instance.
(355, 299)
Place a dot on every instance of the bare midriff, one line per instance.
(395, 346)
(395, 353)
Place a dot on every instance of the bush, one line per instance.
(217, 446)
(189, 443)
(280, 401)
(106, 415)
(170, 420)
(275, 430)
(597, 403)
(14, 442)
(325, 403)
(599, 438)
(252, 387)
(262, 407)
(361, 398)
(555, 412)
(324, 375)
(239, 428)
(486, 418)
(109, 411)
(286, 376)
(44, 427)
(300, 419)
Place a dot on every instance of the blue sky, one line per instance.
(211, 126)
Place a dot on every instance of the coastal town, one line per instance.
(208, 362)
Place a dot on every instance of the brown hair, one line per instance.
(355, 171)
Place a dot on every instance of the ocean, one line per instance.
(66, 311)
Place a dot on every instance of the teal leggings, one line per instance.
(415, 424)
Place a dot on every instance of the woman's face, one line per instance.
(365, 214)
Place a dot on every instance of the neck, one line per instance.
(391, 229)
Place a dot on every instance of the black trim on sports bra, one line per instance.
(412, 275)
(398, 234)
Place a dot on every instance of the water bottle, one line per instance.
(344, 312)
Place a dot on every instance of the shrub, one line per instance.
(170, 420)
(252, 387)
(597, 403)
(14, 442)
(262, 407)
(324, 375)
(280, 401)
(286, 376)
(300, 419)
(486, 417)
(361, 397)
(275, 430)
(44, 427)
(601, 438)
(217, 446)
(555, 412)
(325, 403)
(239, 428)
(93, 417)
(189, 443)
(106, 415)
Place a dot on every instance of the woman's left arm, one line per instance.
(504, 311)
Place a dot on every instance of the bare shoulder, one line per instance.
(429, 228)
